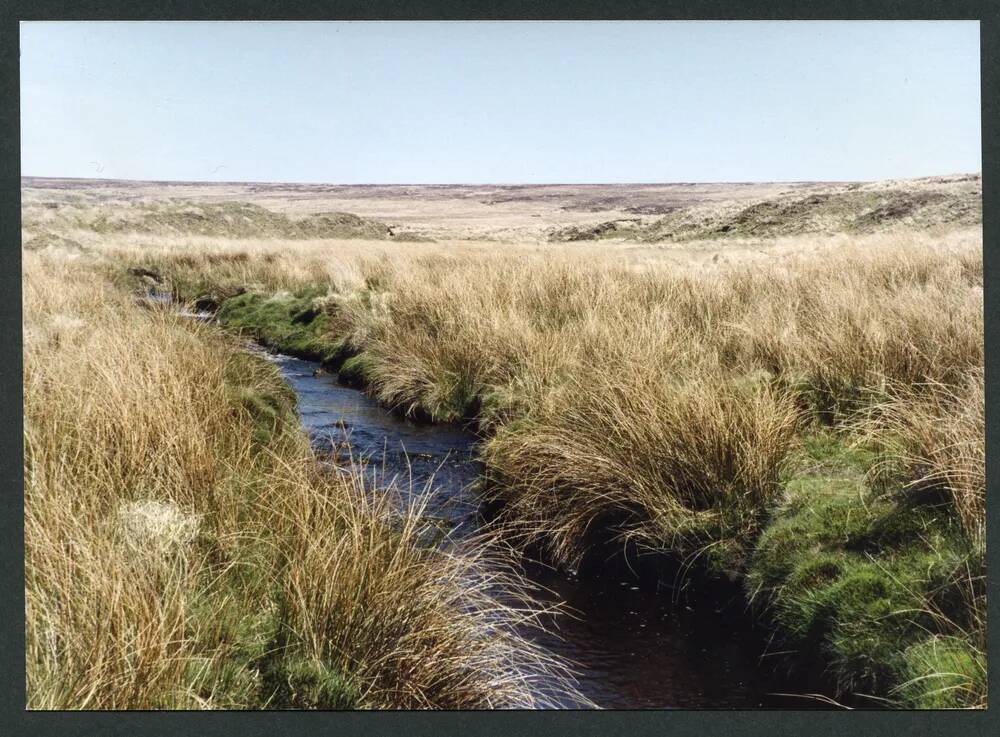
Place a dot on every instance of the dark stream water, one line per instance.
(632, 647)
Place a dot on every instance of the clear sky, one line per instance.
(500, 102)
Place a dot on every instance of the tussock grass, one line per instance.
(937, 434)
(654, 386)
(662, 407)
(809, 419)
(687, 467)
(184, 551)
(537, 338)
(421, 627)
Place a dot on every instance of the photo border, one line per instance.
(15, 720)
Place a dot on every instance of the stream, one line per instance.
(631, 647)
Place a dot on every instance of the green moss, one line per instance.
(295, 324)
(357, 369)
(264, 411)
(803, 616)
(832, 450)
(236, 614)
(814, 573)
(230, 616)
(231, 679)
(872, 617)
(857, 575)
(258, 667)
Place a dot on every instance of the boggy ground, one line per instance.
(794, 409)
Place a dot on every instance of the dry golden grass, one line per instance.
(578, 342)
(636, 389)
(173, 560)
(937, 432)
(676, 465)
(652, 394)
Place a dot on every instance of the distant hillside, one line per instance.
(224, 219)
(857, 208)
(645, 213)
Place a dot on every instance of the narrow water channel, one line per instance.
(632, 648)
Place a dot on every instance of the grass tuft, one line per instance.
(184, 549)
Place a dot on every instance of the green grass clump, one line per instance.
(296, 324)
(864, 578)
(297, 682)
(356, 370)
(943, 673)
(234, 608)
(825, 455)
(830, 399)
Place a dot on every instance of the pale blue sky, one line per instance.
(500, 102)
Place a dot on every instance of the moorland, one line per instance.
(777, 386)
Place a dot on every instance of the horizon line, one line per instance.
(494, 184)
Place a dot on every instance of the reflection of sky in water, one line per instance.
(408, 455)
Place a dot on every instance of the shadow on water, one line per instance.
(634, 645)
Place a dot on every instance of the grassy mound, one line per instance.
(688, 468)
(48, 240)
(224, 219)
(885, 585)
(296, 324)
